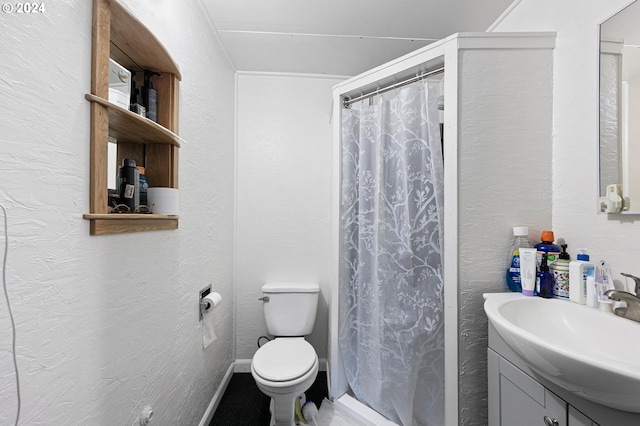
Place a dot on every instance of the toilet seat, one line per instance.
(284, 359)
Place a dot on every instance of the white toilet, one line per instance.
(286, 366)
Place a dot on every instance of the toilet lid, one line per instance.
(281, 360)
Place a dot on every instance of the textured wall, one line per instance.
(504, 181)
(283, 195)
(106, 324)
(575, 128)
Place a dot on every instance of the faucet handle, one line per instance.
(635, 279)
(632, 311)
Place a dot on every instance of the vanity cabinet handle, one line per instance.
(548, 421)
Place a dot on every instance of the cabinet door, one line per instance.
(520, 408)
(519, 399)
(576, 418)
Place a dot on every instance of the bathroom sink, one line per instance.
(593, 354)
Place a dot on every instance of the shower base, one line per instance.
(363, 413)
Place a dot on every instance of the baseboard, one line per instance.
(215, 401)
(242, 366)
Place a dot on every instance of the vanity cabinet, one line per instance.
(515, 398)
(117, 35)
(519, 396)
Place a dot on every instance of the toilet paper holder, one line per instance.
(208, 300)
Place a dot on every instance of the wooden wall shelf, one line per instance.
(104, 224)
(119, 36)
(129, 127)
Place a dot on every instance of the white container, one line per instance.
(578, 271)
(119, 85)
(163, 200)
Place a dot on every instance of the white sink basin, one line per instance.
(594, 354)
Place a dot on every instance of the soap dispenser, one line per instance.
(560, 270)
(136, 104)
(150, 96)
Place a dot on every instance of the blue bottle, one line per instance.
(546, 246)
(545, 284)
(520, 239)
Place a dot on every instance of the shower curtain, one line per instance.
(391, 332)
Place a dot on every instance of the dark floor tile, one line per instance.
(244, 405)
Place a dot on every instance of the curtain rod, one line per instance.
(347, 101)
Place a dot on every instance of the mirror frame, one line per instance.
(612, 100)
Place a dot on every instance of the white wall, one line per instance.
(283, 195)
(575, 129)
(106, 324)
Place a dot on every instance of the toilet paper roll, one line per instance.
(214, 299)
(163, 200)
(208, 334)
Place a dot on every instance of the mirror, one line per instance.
(619, 103)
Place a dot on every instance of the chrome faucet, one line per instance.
(635, 279)
(632, 311)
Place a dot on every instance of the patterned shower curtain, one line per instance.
(391, 287)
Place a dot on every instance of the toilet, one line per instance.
(287, 366)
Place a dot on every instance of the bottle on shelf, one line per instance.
(129, 184)
(560, 271)
(136, 99)
(546, 247)
(520, 239)
(150, 96)
(545, 283)
(579, 270)
(143, 185)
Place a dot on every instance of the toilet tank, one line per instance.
(290, 309)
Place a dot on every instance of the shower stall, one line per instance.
(423, 289)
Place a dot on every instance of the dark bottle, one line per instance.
(136, 100)
(129, 184)
(144, 184)
(546, 284)
(150, 96)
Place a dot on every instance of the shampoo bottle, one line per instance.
(578, 270)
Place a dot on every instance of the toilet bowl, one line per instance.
(283, 369)
(286, 366)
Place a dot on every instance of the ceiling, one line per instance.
(338, 37)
